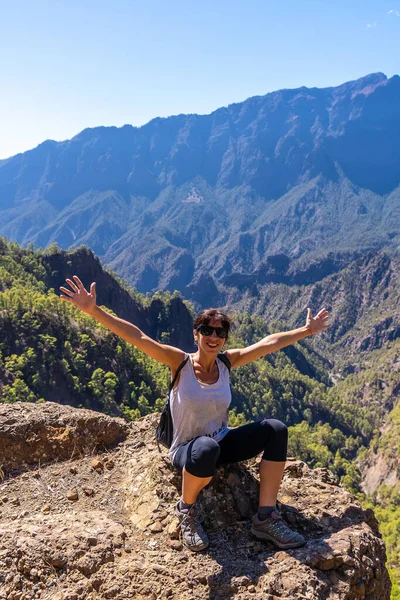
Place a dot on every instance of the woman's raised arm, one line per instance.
(276, 341)
(86, 301)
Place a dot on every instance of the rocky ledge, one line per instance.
(89, 526)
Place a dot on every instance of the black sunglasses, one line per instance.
(207, 330)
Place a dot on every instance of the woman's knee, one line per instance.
(276, 440)
(203, 456)
(277, 427)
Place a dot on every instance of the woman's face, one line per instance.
(210, 344)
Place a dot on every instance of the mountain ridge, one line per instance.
(302, 172)
(370, 79)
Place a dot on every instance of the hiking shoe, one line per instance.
(193, 535)
(275, 530)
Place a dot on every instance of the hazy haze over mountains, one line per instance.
(262, 188)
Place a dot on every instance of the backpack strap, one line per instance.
(223, 358)
(167, 410)
(179, 369)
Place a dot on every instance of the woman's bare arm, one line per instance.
(276, 341)
(86, 301)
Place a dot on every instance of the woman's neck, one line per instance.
(206, 362)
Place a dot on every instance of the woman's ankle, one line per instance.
(182, 505)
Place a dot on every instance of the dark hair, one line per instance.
(204, 317)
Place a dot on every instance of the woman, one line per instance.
(199, 404)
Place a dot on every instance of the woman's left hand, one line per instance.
(318, 323)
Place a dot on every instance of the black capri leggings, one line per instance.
(202, 455)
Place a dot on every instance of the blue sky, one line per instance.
(71, 64)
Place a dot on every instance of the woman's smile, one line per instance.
(211, 342)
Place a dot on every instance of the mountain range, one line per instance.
(288, 187)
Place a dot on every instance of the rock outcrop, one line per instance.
(102, 526)
(378, 469)
(41, 433)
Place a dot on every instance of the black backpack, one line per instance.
(165, 429)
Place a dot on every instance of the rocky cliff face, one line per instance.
(381, 465)
(100, 525)
(376, 470)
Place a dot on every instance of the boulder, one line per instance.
(40, 433)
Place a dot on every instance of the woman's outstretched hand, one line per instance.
(79, 296)
(318, 323)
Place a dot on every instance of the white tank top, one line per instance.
(199, 408)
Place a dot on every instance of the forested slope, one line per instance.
(50, 350)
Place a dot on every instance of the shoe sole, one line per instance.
(194, 548)
(265, 536)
